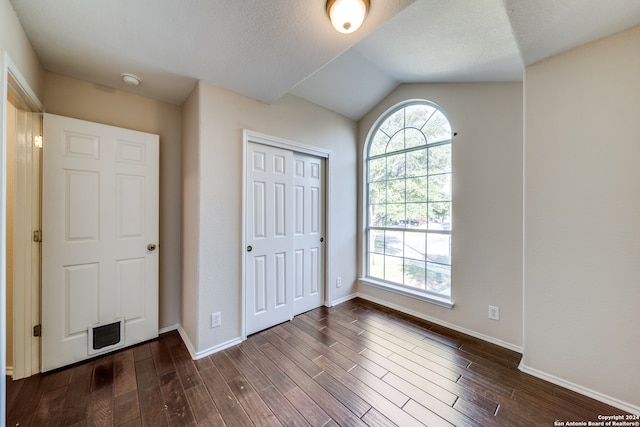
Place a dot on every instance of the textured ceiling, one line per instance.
(264, 49)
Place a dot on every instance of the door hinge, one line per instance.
(37, 331)
(37, 236)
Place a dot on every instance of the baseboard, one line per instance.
(195, 355)
(343, 299)
(627, 407)
(9, 371)
(437, 321)
(169, 328)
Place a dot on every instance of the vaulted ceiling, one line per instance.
(264, 49)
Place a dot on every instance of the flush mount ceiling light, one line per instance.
(130, 79)
(347, 15)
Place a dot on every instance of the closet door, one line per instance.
(308, 215)
(284, 226)
(269, 237)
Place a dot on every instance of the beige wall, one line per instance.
(82, 100)
(212, 200)
(487, 207)
(14, 41)
(582, 245)
(191, 164)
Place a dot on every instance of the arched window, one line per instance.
(408, 188)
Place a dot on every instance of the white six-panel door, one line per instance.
(269, 277)
(284, 262)
(100, 213)
(308, 232)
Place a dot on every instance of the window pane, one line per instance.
(393, 269)
(439, 248)
(378, 169)
(439, 279)
(376, 241)
(415, 274)
(377, 192)
(416, 189)
(396, 143)
(417, 214)
(439, 216)
(437, 128)
(440, 188)
(414, 245)
(396, 213)
(376, 266)
(395, 191)
(396, 166)
(417, 163)
(393, 123)
(377, 215)
(440, 159)
(394, 243)
(378, 144)
(414, 138)
(417, 115)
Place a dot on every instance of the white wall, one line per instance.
(582, 245)
(487, 207)
(213, 174)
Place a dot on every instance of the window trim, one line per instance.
(401, 290)
(365, 279)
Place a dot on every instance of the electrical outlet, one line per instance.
(216, 319)
(494, 312)
(338, 281)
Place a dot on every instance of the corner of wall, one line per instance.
(190, 220)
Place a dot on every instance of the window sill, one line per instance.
(430, 298)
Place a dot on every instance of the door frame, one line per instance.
(26, 211)
(249, 136)
(8, 69)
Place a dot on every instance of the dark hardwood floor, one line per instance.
(355, 364)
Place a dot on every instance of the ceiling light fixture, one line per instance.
(130, 79)
(347, 15)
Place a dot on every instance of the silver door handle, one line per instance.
(151, 247)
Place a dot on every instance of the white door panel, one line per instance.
(309, 229)
(270, 237)
(100, 211)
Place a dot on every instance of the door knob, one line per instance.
(151, 247)
(249, 248)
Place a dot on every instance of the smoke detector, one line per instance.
(130, 79)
